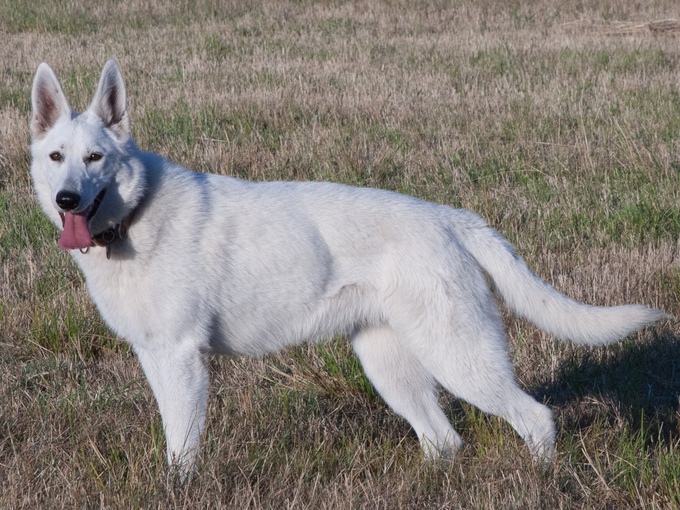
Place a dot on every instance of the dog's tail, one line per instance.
(532, 298)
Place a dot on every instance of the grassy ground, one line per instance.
(558, 122)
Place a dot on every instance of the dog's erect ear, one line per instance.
(49, 101)
(110, 103)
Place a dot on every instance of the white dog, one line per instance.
(183, 265)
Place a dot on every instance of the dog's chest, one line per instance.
(121, 291)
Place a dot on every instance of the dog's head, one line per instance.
(84, 166)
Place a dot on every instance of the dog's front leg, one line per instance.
(179, 380)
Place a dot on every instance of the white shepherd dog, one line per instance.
(183, 265)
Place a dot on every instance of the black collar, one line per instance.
(118, 232)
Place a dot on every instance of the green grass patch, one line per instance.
(52, 16)
(22, 226)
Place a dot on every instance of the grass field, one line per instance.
(559, 122)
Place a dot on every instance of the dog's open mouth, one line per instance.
(76, 234)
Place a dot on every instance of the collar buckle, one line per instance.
(118, 232)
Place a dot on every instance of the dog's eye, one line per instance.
(56, 156)
(95, 156)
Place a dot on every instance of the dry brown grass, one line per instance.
(662, 26)
(557, 121)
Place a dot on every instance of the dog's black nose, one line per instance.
(68, 200)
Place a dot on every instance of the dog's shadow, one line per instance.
(636, 383)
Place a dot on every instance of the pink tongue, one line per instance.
(76, 234)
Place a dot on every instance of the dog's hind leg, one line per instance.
(407, 388)
(472, 363)
(179, 380)
(499, 394)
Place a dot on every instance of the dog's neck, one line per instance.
(118, 232)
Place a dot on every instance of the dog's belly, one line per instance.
(281, 324)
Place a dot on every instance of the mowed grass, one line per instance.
(558, 122)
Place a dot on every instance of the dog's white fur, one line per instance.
(218, 265)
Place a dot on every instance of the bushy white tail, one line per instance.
(532, 298)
